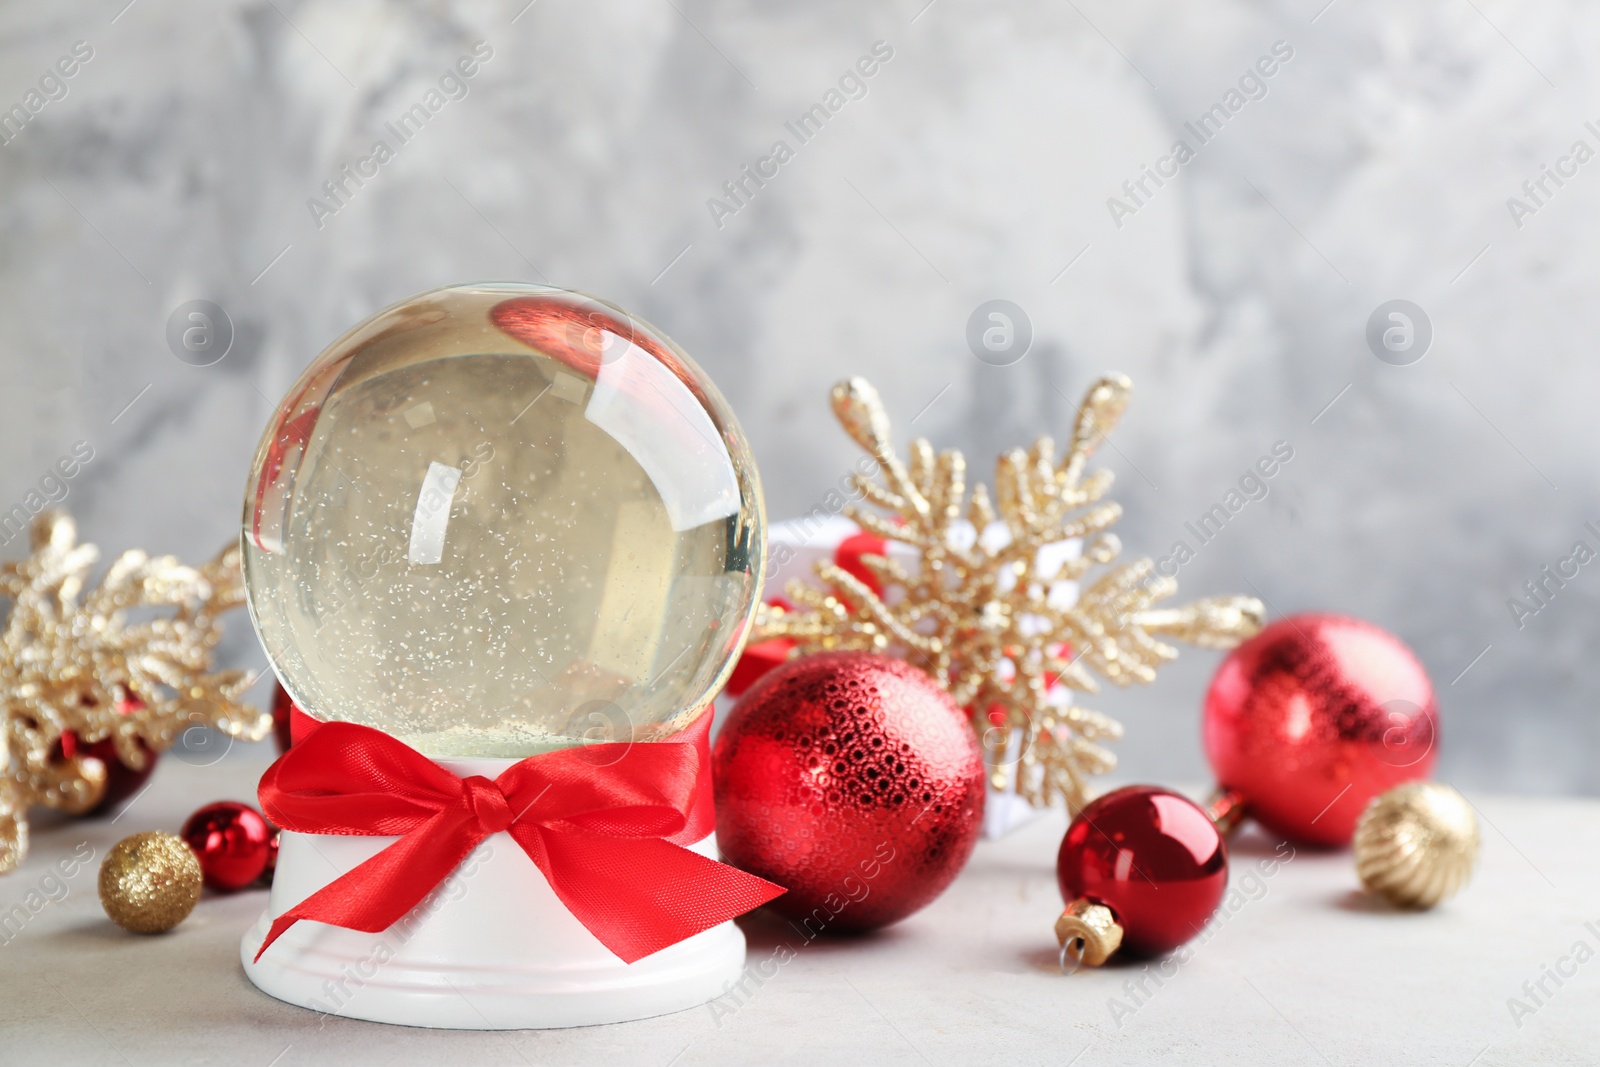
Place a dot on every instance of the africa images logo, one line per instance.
(1252, 85)
(453, 84)
(741, 189)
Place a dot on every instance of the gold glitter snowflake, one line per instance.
(985, 611)
(129, 659)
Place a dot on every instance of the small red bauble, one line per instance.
(282, 706)
(1146, 861)
(1313, 717)
(122, 781)
(233, 843)
(272, 858)
(853, 781)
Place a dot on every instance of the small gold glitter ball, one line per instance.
(150, 882)
(1415, 845)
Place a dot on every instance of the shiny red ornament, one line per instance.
(233, 843)
(282, 709)
(271, 867)
(853, 781)
(1153, 858)
(122, 781)
(1313, 717)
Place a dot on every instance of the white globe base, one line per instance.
(493, 948)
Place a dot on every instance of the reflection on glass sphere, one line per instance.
(494, 520)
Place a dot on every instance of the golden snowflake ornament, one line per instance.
(989, 608)
(129, 659)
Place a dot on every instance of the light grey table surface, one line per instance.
(1306, 970)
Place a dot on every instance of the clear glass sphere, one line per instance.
(500, 519)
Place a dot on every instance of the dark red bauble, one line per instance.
(232, 841)
(122, 781)
(282, 705)
(853, 781)
(272, 858)
(1151, 856)
(1313, 717)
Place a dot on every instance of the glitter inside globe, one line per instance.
(496, 520)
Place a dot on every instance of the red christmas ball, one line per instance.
(1313, 717)
(1151, 856)
(271, 867)
(233, 843)
(122, 781)
(282, 706)
(853, 781)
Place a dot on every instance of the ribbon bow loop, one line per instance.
(620, 790)
(605, 824)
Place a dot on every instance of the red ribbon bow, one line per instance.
(604, 823)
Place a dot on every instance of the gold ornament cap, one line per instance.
(1227, 809)
(149, 882)
(1089, 932)
(1415, 845)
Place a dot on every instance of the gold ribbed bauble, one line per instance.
(1415, 844)
(149, 882)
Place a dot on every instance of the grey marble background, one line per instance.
(180, 161)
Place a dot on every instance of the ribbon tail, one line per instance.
(638, 896)
(375, 895)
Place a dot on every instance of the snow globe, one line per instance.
(495, 522)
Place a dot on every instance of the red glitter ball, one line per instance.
(853, 781)
(1313, 717)
(233, 843)
(1151, 856)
